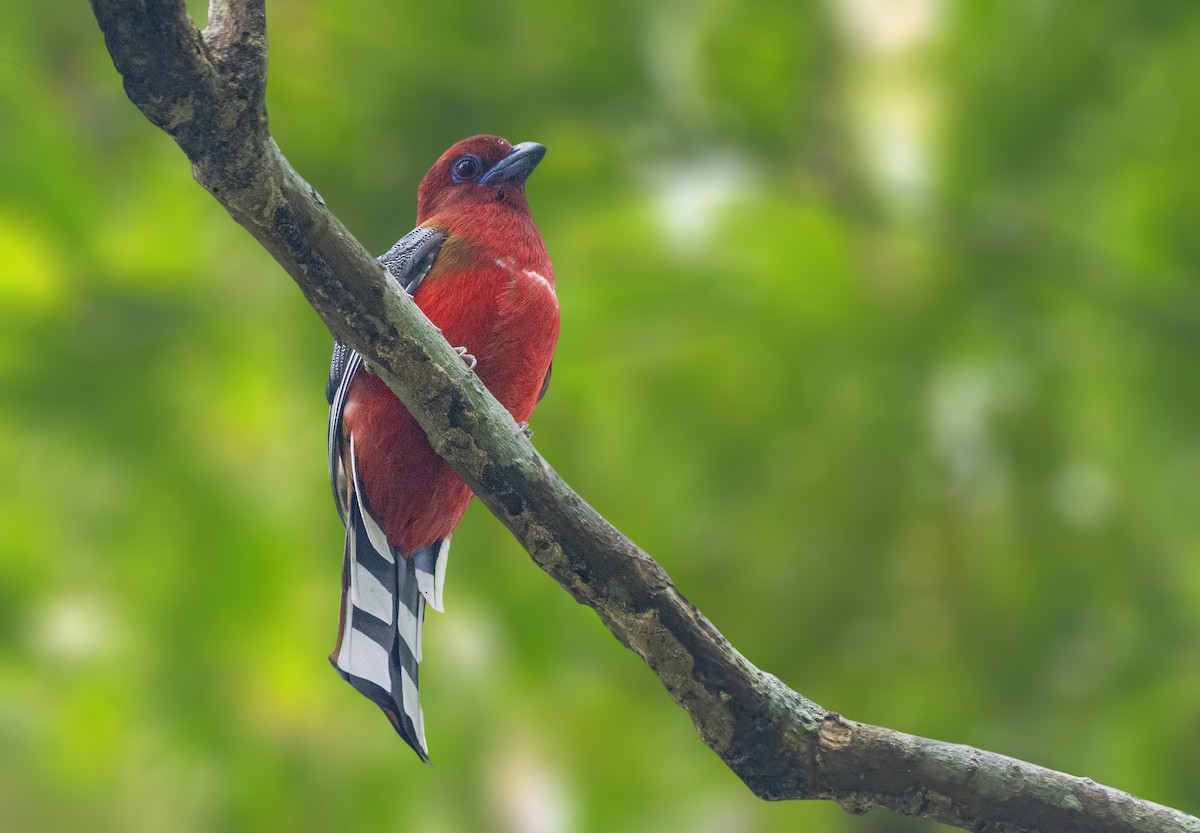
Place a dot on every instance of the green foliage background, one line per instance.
(928, 453)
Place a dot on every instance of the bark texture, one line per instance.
(206, 90)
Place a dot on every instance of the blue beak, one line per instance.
(517, 166)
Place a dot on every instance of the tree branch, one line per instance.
(206, 91)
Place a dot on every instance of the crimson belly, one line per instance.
(413, 493)
(509, 322)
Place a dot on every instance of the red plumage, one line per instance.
(491, 290)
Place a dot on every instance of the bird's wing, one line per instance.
(546, 382)
(410, 260)
(407, 262)
(342, 368)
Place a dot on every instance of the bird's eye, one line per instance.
(466, 167)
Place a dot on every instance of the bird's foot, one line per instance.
(467, 357)
(526, 430)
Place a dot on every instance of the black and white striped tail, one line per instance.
(383, 609)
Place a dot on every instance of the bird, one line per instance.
(477, 267)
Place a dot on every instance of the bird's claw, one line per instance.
(526, 430)
(467, 357)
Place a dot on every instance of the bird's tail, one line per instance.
(384, 595)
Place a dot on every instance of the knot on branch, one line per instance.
(835, 732)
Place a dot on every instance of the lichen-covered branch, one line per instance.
(206, 90)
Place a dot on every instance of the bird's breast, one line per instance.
(527, 287)
(504, 310)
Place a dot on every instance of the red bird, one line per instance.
(477, 267)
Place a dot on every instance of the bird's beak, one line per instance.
(518, 165)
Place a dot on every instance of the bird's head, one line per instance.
(479, 171)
